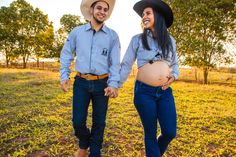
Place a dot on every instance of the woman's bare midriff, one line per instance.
(154, 74)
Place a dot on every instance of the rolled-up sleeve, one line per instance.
(128, 60)
(67, 56)
(174, 62)
(114, 63)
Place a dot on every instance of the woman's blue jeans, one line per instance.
(155, 105)
(83, 92)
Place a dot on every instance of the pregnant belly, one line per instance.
(154, 74)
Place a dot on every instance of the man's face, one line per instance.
(100, 11)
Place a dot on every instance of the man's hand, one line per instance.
(65, 85)
(168, 83)
(112, 92)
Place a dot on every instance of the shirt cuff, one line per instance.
(63, 78)
(113, 84)
(175, 76)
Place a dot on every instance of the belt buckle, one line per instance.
(87, 76)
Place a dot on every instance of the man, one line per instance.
(97, 50)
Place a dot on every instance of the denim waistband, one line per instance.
(146, 85)
(153, 90)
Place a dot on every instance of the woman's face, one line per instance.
(148, 18)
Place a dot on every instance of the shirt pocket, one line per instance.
(104, 52)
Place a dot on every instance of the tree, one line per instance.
(201, 27)
(29, 24)
(44, 35)
(44, 43)
(68, 22)
(60, 38)
(7, 33)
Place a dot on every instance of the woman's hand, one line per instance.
(111, 92)
(168, 83)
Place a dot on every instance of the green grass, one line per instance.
(214, 77)
(35, 116)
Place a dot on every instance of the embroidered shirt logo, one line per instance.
(104, 51)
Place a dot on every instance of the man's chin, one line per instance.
(100, 21)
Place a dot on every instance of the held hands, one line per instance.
(65, 85)
(168, 83)
(112, 92)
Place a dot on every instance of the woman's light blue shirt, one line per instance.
(137, 51)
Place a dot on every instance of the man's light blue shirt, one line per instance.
(136, 50)
(97, 53)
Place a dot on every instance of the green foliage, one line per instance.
(26, 32)
(36, 117)
(23, 30)
(44, 40)
(59, 40)
(69, 22)
(201, 28)
(8, 32)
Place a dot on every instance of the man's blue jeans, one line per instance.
(154, 104)
(83, 92)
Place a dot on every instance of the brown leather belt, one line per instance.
(92, 77)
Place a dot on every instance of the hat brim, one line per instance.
(159, 6)
(85, 7)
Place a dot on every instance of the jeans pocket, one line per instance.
(76, 82)
(103, 81)
(136, 91)
(76, 77)
(136, 87)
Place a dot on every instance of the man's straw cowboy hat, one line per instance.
(86, 6)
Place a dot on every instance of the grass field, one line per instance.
(35, 118)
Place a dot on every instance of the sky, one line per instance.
(123, 19)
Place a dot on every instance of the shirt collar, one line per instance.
(149, 33)
(89, 27)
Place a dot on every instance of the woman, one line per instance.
(155, 51)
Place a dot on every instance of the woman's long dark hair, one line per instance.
(160, 34)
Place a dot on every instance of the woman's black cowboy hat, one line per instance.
(157, 5)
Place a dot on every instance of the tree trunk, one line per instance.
(195, 71)
(7, 61)
(24, 62)
(37, 62)
(205, 75)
